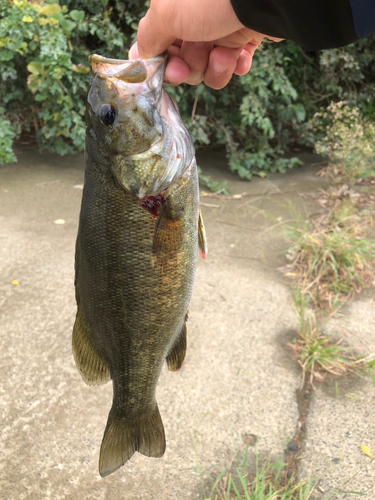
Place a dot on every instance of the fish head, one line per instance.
(136, 125)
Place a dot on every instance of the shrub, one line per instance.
(6, 140)
(44, 70)
(44, 76)
(347, 139)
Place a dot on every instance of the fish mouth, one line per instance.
(131, 77)
(170, 155)
(134, 79)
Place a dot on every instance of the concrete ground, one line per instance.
(237, 379)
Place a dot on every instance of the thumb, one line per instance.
(154, 34)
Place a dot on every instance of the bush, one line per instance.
(6, 140)
(44, 70)
(251, 117)
(257, 117)
(347, 138)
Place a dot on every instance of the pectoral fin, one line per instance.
(168, 227)
(202, 242)
(176, 355)
(91, 366)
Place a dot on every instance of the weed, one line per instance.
(317, 353)
(267, 483)
(334, 258)
(213, 186)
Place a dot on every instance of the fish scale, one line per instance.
(136, 249)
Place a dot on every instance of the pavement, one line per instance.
(237, 380)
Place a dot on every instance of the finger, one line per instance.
(177, 71)
(222, 63)
(245, 60)
(177, 42)
(243, 63)
(133, 52)
(240, 38)
(251, 48)
(274, 39)
(154, 35)
(196, 55)
(173, 50)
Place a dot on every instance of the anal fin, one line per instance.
(91, 366)
(176, 355)
(202, 242)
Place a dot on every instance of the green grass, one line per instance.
(267, 483)
(334, 258)
(211, 185)
(241, 480)
(317, 353)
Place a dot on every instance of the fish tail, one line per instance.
(123, 437)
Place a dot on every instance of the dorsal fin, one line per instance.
(136, 72)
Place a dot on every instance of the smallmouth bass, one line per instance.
(140, 229)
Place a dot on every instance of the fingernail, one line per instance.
(218, 68)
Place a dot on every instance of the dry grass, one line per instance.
(338, 172)
(335, 258)
(317, 353)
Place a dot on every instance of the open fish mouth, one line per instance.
(137, 77)
(148, 129)
(124, 72)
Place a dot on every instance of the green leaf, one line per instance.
(35, 67)
(80, 68)
(50, 9)
(6, 55)
(300, 112)
(67, 25)
(4, 41)
(27, 19)
(77, 15)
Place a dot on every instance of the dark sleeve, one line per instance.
(313, 24)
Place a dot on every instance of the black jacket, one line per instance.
(313, 24)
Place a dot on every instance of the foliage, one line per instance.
(6, 140)
(43, 67)
(44, 76)
(347, 139)
(211, 185)
(247, 116)
(317, 353)
(335, 258)
(268, 482)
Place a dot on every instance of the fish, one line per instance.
(140, 231)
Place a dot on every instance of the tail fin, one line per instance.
(123, 437)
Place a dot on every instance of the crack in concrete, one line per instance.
(294, 449)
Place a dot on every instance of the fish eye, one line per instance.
(107, 114)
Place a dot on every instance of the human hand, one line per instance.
(204, 39)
